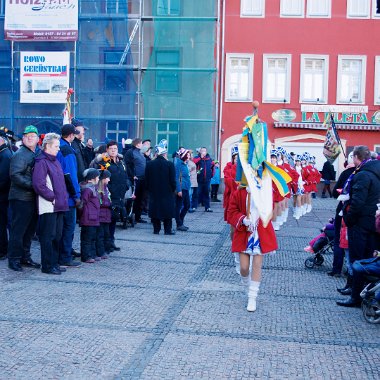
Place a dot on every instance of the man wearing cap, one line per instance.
(5, 183)
(161, 184)
(22, 200)
(78, 146)
(67, 159)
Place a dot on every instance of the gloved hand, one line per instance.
(246, 222)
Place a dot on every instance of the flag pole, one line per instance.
(337, 135)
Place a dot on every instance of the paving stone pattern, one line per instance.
(172, 307)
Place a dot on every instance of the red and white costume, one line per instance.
(237, 211)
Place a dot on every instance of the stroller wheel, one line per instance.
(309, 262)
(318, 260)
(371, 311)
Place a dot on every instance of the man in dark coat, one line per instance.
(205, 169)
(22, 200)
(5, 183)
(78, 145)
(359, 213)
(161, 184)
(136, 163)
(328, 175)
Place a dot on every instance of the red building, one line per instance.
(301, 59)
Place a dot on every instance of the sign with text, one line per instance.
(41, 20)
(44, 77)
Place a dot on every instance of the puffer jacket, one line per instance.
(20, 171)
(364, 196)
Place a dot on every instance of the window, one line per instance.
(169, 132)
(114, 80)
(167, 80)
(168, 7)
(239, 77)
(292, 8)
(276, 78)
(358, 8)
(351, 79)
(377, 80)
(377, 148)
(115, 130)
(117, 6)
(314, 78)
(376, 8)
(252, 8)
(318, 8)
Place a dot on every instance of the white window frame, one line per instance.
(362, 16)
(318, 15)
(377, 81)
(376, 148)
(374, 14)
(363, 58)
(288, 57)
(230, 56)
(244, 13)
(325, 78)
(300, 14)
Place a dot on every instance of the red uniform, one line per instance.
(307, 178)
(229, 185)
(316, 177)
(237, 211)
(288, 169)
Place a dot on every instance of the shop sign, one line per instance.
(341, 114)
(41, 20)
(44, 77)
(283, 115)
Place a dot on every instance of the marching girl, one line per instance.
(315, 179)
(277, 198)
(298, 189)
(307, 177)
(283, 163)
(251, 239)
(230, 187)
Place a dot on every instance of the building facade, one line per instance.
(302, 59)
(143, 68)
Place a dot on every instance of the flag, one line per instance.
(331, 148)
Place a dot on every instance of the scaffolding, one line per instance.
(139, 67)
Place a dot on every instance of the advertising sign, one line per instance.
(41, 20)
(44, 77)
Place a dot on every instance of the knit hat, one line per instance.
(90, 174)
(182, 153)
(161, 148)
(30, 129)
(105, 174)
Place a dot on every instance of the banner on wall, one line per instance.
(41, 20)
(44, 77)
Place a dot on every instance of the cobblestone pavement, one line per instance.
(171, 307)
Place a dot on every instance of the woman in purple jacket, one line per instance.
(89, 219)
(103, 241)
(49, 185)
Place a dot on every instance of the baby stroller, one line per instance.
(129, 200)
(320, 245)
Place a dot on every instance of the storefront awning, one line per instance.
(345, 127)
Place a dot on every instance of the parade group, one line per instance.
(52, 182)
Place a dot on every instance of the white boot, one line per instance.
(308, 207)
(281, 219)
(252, 295)
(304, 209)
(237, 263)
(276, 225)
(245, 281)
(286, 214)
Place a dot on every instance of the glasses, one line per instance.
(31, 136)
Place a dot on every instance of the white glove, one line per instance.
(246, 222)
